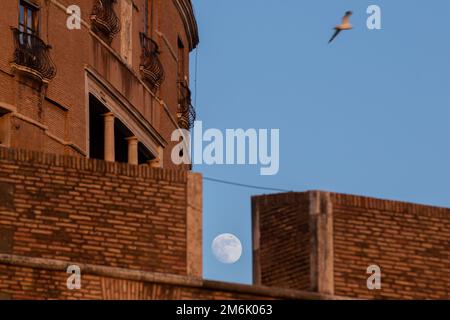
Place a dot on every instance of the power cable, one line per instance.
(243, 185)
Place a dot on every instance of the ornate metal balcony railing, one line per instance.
(151, 67)
(104, 20)
(186, 111)
(33, 53)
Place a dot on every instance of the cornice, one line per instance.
(190, 23)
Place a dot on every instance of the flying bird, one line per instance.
(345, 25)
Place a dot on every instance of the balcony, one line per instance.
(104, 20)
(31, 55)
(151, 67)
(186, 111)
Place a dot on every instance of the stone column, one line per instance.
(153, 163)
(322, 253)
(133, 150)
(194, 225)
(109, 137)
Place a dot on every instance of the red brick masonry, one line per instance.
(135, 232)
(324, 242)
(34, 278)
(96, 212)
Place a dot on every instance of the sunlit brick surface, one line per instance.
(409, 242)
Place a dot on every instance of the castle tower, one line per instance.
(113, 85)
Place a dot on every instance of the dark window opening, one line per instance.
(96, 128)
(97, 136)
(181, 61)
(144, 155)
(121, 133)
(28, 18)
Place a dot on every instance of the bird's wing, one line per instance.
(334, 35)
(346, 18)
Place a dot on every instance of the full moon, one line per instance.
(227, 248)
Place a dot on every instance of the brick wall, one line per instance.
(347, 234)
(135, 232)
(31, 278)
(409, 242)
(32, 284)
(108, 214)
(282, 251)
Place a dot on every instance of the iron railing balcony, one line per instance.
(32, 55)
(151, 67)
(104, 19)
(186, 111)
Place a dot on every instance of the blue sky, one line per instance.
(368, 114)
